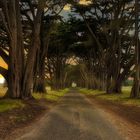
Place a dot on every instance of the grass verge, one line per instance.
(8, 104)
(123, 98)
(52, 96)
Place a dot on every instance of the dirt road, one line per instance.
(74, 118)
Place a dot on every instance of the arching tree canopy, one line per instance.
(37, 42)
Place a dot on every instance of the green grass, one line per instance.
(123, 98)
(9, 104)
(51, 95)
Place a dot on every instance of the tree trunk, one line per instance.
(135, 93)
(108, 82)
(117, 87)
(31, 57)
(15, 51)
(40, 83)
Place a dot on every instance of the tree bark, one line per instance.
(15, 53)
(28, 79)
(40, 82)
(135, 93)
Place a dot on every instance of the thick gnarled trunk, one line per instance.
(135, 93)
(15, 51)
(28, 79)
